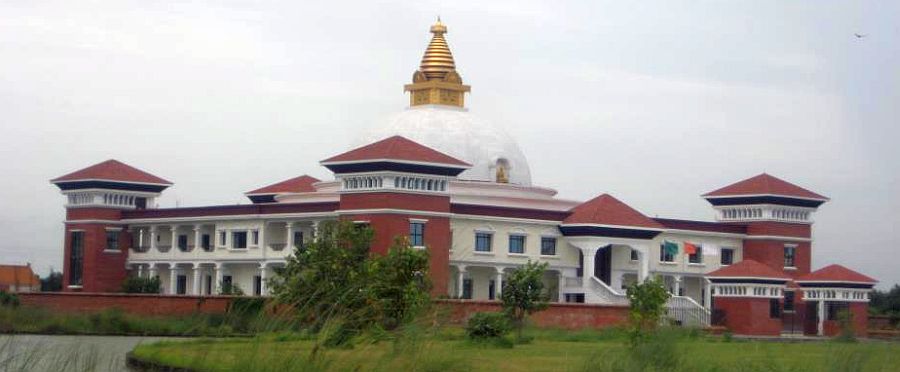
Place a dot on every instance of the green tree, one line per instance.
(335, 280)
(52, 282)
(647, 306)
(523, 294)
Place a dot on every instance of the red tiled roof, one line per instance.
(303, 183)
(836, 273)
(607, 210)
(18, 275)
(112, 170)
(765, 184)
(748, 269)
(731, 228)
(397, 148)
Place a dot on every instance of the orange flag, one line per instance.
(690, 248)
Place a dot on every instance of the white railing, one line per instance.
(604, 294)
(686, 312)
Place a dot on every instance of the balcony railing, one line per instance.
(140, 249)
(186, 248)
(277, 246)
(163, 248)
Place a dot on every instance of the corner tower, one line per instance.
(778, 216)
(96, 241)
(436, 82)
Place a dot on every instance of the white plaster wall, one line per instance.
(463, 243)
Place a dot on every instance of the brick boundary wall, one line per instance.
(457, 312)
(139, 304)
(556, 315)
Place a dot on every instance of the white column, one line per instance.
(217, 286)
(588, 269)
(461, 274)
(151, 268)
(198, 280)
(820, 327)
(289, 239)
(174, 243)
(498, 292)
(677, 284)
(263, 290)
(140, 270)
(561, 285)
(644, 256)
(153, 235)
(262, 238)
(315, 229)
(197, 238)
(707, 293)
(173, 279)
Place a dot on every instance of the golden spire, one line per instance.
(437, 82)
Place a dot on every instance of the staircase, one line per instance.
(686, 312)
(601, 293)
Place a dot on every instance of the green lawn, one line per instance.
(549, 351)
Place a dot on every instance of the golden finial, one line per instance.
(436, 81)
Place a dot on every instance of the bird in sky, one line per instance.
(860, 36)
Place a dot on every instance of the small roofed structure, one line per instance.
(396, 153)
(19, 278)
(837, 292)
(746, 298)
(267, 194)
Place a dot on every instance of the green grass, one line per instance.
(24, 319)
(550, 350)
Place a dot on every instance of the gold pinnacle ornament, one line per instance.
(437, 82)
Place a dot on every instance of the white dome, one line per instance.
(458, 133)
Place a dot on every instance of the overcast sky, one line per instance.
(655, 102)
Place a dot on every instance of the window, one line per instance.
(548, 246)
(255, 237)
(181, 284)
(240, 239)
(76, 257)
(417, 234)
(774, 308)
(227, 286)
(298, 238)
(667, 252)
(790, 256)
(209, 285)
(634, 255)
(697, 257)
(517, 244)
(492, 291)
(257, 285)
(483, 242)
(204, 241)
(182, 242)
(727, 256)
(112, 240)
(788, 301)
(222, 238)
(833, 310)
(467, 289)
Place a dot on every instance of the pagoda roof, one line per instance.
(397, 149)
(606, 210)
(764, 184)
(114, 171)
(748, 269)
(836, 273)
(302, 183)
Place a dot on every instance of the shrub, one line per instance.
(487, 325)
(133, 284)
(845, 321)
(9, 299)
(647, 304)
(230, 289)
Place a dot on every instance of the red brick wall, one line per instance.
(748, 316)
(800, 230)
(771, 253)
(567, 316)
(102, 271)
(860, 313)
(141, 304)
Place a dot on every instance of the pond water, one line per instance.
(68, 353)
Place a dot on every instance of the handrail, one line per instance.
(685, 311)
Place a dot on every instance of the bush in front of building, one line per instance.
(340, 290)
(133, 284)
(523, 294)
(487, 325)
(8, 299)
(647, 304)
